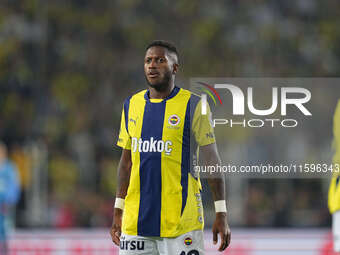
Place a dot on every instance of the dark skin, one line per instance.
(124, 171)
(160, 68)
(220, 227)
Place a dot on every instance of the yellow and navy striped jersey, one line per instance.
(163, 197)
(334, 188)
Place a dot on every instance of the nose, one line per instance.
(152, 64)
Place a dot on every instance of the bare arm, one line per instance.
(124, 171)
(216, 183)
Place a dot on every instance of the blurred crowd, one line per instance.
(66, 67)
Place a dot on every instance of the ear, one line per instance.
(175, 68)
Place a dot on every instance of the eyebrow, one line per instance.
(157, 56)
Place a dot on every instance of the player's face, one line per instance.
(158, 68)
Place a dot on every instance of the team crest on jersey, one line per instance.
(174, 120)
(188, 241)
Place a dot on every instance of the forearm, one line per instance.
(217, 187)
(215, 180)
(217, 184)
(124, 171)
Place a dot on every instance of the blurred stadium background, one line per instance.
(65, 69)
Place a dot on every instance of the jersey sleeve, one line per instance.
(334, 191)
(336, 132)
(124, 139)
(202, 126)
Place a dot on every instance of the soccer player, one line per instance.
(158, 208)
(334, 190)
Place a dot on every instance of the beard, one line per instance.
(161, 85)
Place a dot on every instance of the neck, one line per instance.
(154, 94)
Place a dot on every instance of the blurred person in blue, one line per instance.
(9, 192)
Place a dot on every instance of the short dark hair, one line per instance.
(165, 44)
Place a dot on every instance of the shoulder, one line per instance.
(137, 96)
(337, 108)
(194, 98)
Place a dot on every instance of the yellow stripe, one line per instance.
(336, 132)
(193, 209)
(171, 165)
(334, 191)
(130, 217)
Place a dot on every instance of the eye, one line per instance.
(148, 60)
(161, 60)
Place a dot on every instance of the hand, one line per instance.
(221, 226)
(116, 228)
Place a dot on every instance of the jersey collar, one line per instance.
(173, 93)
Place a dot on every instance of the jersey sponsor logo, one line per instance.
(151, 145)
(174, 120)
(132, 245)
(188, 241)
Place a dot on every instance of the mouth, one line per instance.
(153, 74)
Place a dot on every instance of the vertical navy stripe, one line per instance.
(126, 113)
(193, 104)
(149, 216)
(185, 164)
(194, 100)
